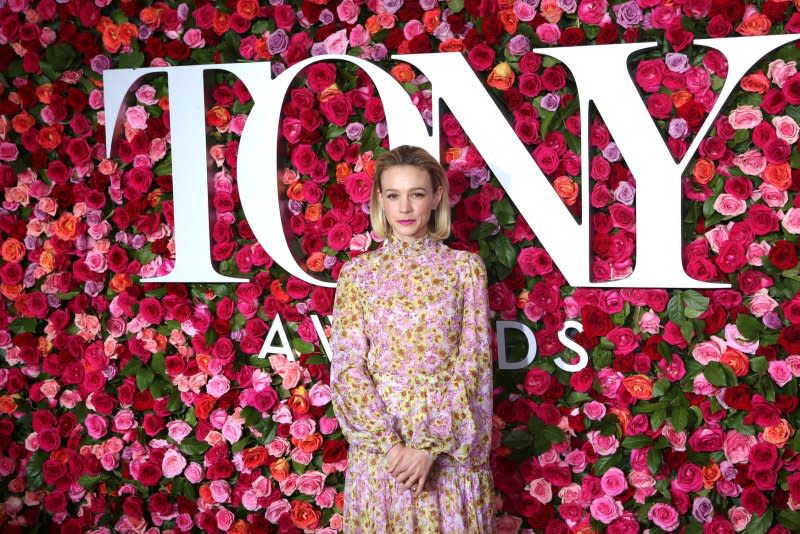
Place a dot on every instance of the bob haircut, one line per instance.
(439, 222)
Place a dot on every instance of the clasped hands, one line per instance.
(409, 466)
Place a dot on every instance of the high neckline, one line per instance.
(409, 248)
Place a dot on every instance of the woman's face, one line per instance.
(407, 200)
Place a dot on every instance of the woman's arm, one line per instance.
(464, 423)
(356, 403)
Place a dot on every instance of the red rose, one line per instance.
(337, 109)
(773, 102)
(791, 89)
(783, 255)
(554, 78)
(609, 33)
(334, 451)
(149, 473)
(571, 36)
(530, 62)
(659, 106)
(677, 36)
(789, 339)
(481, 57)
(719, 26)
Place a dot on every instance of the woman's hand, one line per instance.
(410, 466)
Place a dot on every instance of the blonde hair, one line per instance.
(439, 222)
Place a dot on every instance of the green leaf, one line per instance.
(456, 5)
(748, 326)
(517, 440)
(23, 324)
(675, 309)
(132, 367)
(654, 461)
(144, 377)
(759, 364)
(789, 519)
(90, 482)
(157, 363)
(604, 463)
(695, 301)
(193, 447)
(760, 524)
(715, 374)
(505, 252)
(637, 442)
(680, 418)
(60, 56)
(131, 61)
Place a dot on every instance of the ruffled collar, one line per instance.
(409, 248)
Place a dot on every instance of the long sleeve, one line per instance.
(356, 403)
(461, 425)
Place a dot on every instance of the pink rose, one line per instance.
(779, 71)
(328, 425)
(791, 221)
(96, 426)
(762, 303)
(541, 490)
(779, 372)
(594, 410)
(729, 205)
(606, 509)
(193, 473)
(664, 516)
(173, 463)
(178, 430)
(739, 517)
(751, 162)
(326, 499)
(347, 11)
(232, 430)
(311, 482)
(603, 445)
(319, 394)
(793, 362)
(745, 117)
(136, 117)
(613, 482)
(218, 386)
(593, 11)
(220, 490)
(548, 33)
(772, 197)
(786, 128)
(302, 428)
(336, 43)
(224, 519)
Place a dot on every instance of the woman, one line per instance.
(411, 368)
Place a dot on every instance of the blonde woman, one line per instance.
(411, 368)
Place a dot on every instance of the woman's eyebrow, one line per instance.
(413, 189)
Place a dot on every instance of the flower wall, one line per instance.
(132, 406)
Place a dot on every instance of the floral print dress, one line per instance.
(412, 363)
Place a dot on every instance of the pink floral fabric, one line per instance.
(412, 362)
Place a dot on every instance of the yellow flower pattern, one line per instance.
(412, 362)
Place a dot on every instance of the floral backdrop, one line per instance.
(138, 407)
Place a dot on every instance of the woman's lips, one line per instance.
(406, 221)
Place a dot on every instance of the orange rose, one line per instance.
(316, 262)
(623, 416)
(279, 469)
(339, 500)
(11, 292)
(736, 361)
(66, 227)
(7, 405)
(120, 282)
(254, 457)
(329, 93)
(247, 8)
(304, 515)
(311, 443)
(373, 25)
(48, 259)
(276, 290)
(205, 493)
(343, 170)
(222, 22)
(509, 20)
(755, 24)
(239, 527)
(711, 474)
(451, 45)
(295, 191)
(127, 32)
(550, 11)
(402, 72)
(566, 189)
(49, 137)
(501, 77)
(22, 122)
(298, 403)
(111, 39)
(681, 97)
(755, 83)
(639, 386)
(452, 154)
(313, 212)
(13, 250)
(779, 434)
(44, 93)
(151, 16)
(218, 116)
(704, 171)
(778, 176)
(431, 19)
(262, 50)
